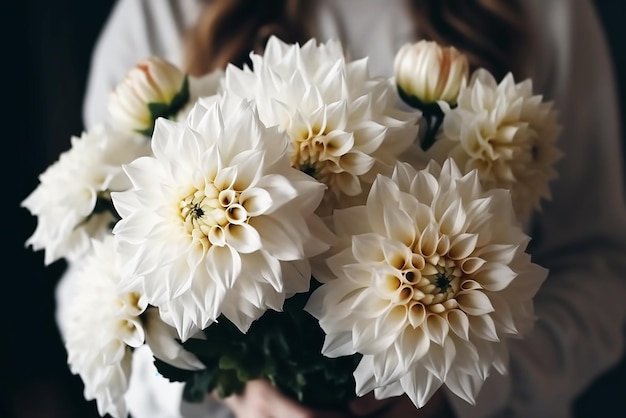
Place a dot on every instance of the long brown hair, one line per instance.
(491, 32)
(229, 29)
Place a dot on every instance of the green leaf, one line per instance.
(282, 347)
(228, 384)
(181, 98)
(172, 373)
(204, 348)
(198, 385)
(167, 110)
(228, 362)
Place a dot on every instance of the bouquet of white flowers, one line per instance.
(300, 221)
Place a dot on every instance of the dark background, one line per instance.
(36, 382)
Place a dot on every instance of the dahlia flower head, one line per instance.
(103, 324)
(345, 126)
(505, 132)
(217, 221)
(65, 200)
(427, 281)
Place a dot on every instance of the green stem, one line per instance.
(434, 118)
(432, 114)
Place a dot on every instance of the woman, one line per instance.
(580, 235)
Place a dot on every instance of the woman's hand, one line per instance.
(262, 400)
(401, 406)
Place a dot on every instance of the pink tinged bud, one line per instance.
(149, 90)
(429, 72)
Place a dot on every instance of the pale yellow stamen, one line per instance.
(206, 213)
(309, 148)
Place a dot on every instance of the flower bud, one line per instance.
(428, 72)
(153, 88)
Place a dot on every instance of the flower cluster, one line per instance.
(265, 221)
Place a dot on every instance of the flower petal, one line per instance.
(474, 302)
(224, 265)
(243, 238)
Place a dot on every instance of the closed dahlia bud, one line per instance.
(153, 88)
(428, 72)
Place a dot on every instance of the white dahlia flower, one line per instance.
(103, 324)
(345, 126)
(73, 190)
(508, 134)
(218, 203)
(428, 281)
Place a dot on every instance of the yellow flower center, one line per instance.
(207, 213)
(310, 153)
(428, 283)
(431, 283)
(129, 302)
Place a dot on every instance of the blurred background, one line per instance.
(36, 381)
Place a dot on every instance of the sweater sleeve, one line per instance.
(580, 235)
